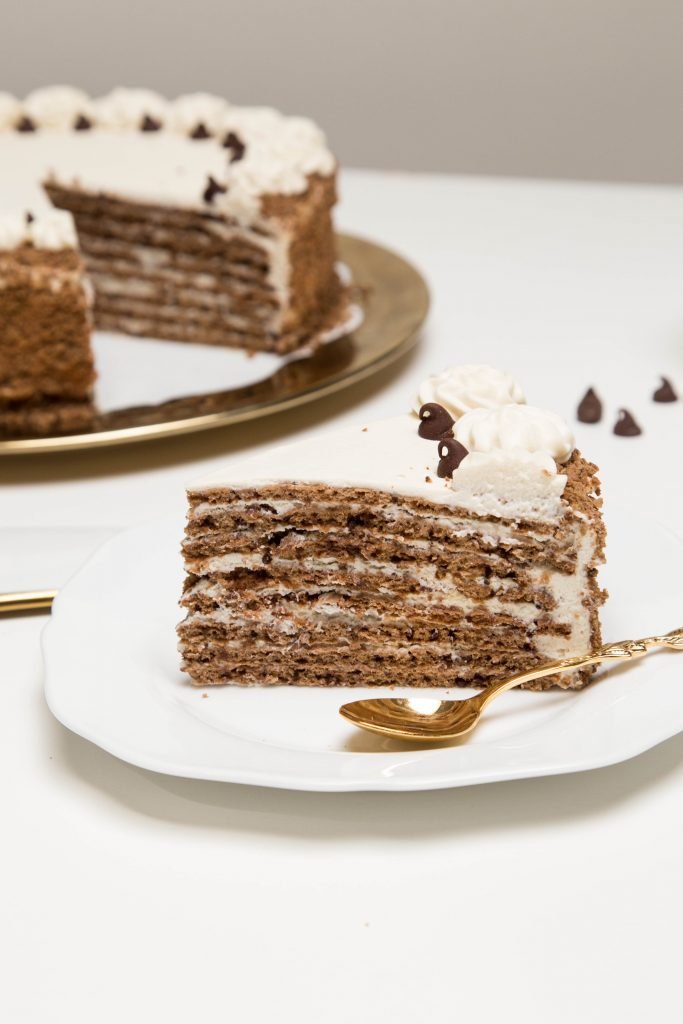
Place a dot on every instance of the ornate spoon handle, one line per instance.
(623, 650)
(27, 600)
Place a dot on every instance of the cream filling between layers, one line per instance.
(566, 590)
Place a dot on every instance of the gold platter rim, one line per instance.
(372, 354)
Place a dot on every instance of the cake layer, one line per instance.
(191, 275)
(45, 352)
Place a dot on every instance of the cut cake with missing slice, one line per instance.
(458, 555)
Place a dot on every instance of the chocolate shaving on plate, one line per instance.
(590, 408)
(626, 426)
(665, 392)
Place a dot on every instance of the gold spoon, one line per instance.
(429, 720)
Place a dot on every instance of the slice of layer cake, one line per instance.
(198, 221)
(455, 546)
(46, 364)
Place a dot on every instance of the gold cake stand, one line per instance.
(395, 300)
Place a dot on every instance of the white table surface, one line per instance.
(127, 896)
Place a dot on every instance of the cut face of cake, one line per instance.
(453, 546)
(46, 365)
(198, 221)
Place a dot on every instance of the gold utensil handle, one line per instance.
(26, 601)
(623, 650)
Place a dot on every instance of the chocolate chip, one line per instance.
(665, 393)
(434, 634)
(428, 479)
(150, 124)
(235, 145)
(29, 217)
(626, 426)
(451, 454)
(82, 124)
(212, 190)
(590, 408)
(200, 131)
(435, 422)
(25, 124)
(410, 633)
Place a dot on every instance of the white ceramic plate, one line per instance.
(112, 676)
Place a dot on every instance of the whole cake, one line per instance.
(197, 220)
(455, 545)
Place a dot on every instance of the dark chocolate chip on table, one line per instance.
(29, 217)
(82, 124)
(200, 131)
(665, 392)
(235, 145)
(451, 454)
(25, 124)
(590, 408)
(150, 124)
(435, 421)
(626, 426)
(213, 189)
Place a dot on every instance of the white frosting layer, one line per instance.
(53, 229)
(488, 483)
(10, 111)
(125, 109)
(166, 166)
(57, 107)
(198, 108)
(515, 426)
(462, 388)
(386, 456)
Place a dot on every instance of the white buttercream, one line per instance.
(198, 108)
(474, 386)
(53, 229)
(10, 111)
(515, 426)
(387, 456)
(489, 483)
(57, 107)
(164, 167)
(125, 109)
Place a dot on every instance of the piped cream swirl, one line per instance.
(462, 388)
(515, 426)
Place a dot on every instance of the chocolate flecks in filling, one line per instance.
(82, 124)
(435, 422)
(150, 124)
(200, 131)
(665, 392)
(235, 145)
(212, 190)
(626, 426)
(590, 408)
(451, 454)
(25, 124)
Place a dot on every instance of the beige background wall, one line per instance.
(562, 88)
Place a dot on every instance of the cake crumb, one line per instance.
(205, 695)
(364, 430)
(428, 479)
